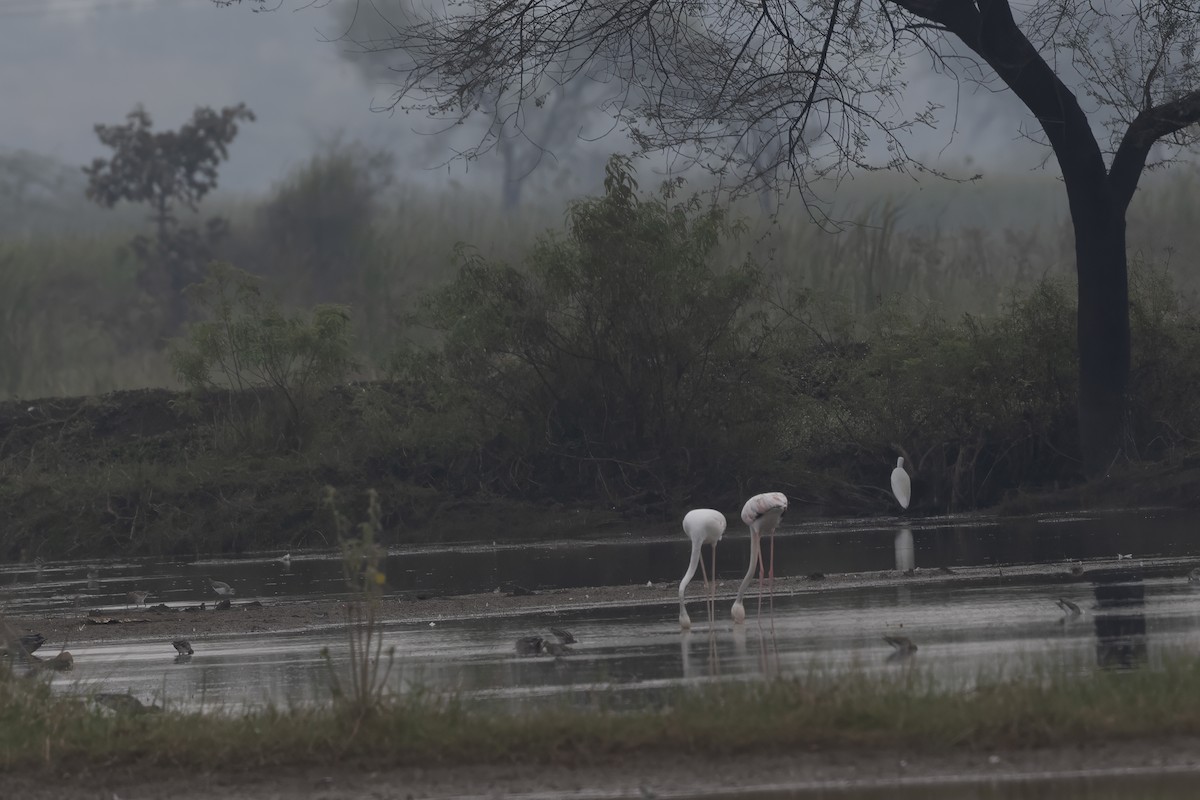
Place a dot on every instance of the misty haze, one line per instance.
(404, 399)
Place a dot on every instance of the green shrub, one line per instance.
(617, 362)
(249, 347)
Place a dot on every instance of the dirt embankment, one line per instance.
(153, 472)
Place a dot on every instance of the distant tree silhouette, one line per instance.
(167, 170)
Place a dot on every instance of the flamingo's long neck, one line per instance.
(754, 545)
(684, 621)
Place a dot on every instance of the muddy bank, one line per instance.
(740, 775)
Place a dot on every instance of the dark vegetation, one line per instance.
(652, 355)
(53, 731)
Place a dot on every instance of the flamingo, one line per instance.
(761, 513)
(901, 485)
(703, 526)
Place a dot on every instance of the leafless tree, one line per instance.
(526, 136)
(698, 77)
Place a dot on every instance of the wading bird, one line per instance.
(762, 514)
(221, 588)
(529, 645)
(903, 646)
(32, 641)
(137, 598)
(901, 484)
(183, 647)
(703, 526)
(1070, 610)
(564, 635)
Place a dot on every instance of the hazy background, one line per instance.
(330, 200)
(67, 64)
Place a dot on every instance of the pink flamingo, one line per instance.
(761, 513)
(703, 526)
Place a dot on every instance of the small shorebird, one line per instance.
(564, 636)
(32, 641)
(556, 649)
(529, 645)
(1070, 610)
(60, 663)
(136, 598)
(904, 646)
(183, 647)
(1194, 575)
(286, 558)
(221, 588)
(123, 703)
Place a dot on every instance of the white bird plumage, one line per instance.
(703, 526)
(761, 514)
(901, 484)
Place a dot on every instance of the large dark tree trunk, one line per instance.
(1098, 198)
(1097, 206)
(1103, 328)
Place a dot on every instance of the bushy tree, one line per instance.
(618, 360)
(167, 170)
(248, 348)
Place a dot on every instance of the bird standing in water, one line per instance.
(32, 641)
(221, 588)
(903, 647)
(703, 526)
(183, 647)
(762, 514)
(137, 598)
(901, 484)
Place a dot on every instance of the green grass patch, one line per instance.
(903, 709)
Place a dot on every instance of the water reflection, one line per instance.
(1119, 620)
(905, 553)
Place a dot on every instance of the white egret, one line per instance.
(762, 514)
(901, 485)
(703, 526)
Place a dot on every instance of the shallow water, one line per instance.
(844, 546)
(1144, 784)
(1134, 611)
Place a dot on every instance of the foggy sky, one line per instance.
(68, 64)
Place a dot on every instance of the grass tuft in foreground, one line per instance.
(39, 728)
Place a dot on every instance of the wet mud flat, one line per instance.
(1170, 765)
(251, 616)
